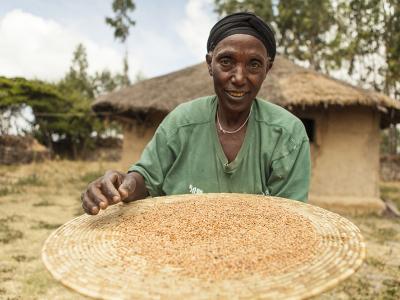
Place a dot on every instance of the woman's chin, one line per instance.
(236, 103)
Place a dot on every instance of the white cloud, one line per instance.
(152, 52)
(196, 26)
(34, 47)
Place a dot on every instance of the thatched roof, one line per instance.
(287, 84)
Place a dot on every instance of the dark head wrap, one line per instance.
(246, 23)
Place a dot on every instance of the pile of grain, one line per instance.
(224, 239)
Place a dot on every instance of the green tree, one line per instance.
(391, 38)
(309, 31)
(80, 90)
(372, 54)
(77, 79)
(361, 20)
(306, 30)
(104, 82)
(264, 9)
(121, 23)
(48, 106)
(63, 119)
(123, 79)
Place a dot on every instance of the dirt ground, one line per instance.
(35, 199)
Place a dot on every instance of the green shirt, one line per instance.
(185, 155)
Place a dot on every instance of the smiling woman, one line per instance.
(228, 142)
(238, 65)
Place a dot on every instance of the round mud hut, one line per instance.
(343, 123)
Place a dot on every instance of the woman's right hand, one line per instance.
(107, 190)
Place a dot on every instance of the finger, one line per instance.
(108, 188)
(97, 197)
(87, 209)
(127, 187)
(89, 206)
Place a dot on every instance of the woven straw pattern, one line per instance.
(87, 255)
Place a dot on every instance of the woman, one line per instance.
(229, 142)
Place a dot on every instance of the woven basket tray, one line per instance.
(225, 246)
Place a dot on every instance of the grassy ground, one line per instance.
(35, 199)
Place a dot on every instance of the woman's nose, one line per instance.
(239, 75)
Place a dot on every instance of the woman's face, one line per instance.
(238, 65)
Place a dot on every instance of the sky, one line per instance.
(38, 37)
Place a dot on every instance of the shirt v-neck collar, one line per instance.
(229, 167)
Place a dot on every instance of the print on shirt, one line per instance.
(195, 190)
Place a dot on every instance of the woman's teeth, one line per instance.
(236, 94)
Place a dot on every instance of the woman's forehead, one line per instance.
(243, 23)
(241, 43)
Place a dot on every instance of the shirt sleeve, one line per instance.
(154, 163)
(290, 174)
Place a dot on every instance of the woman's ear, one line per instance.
(209, 61)
(269, 64)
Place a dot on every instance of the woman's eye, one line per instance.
(225, 61)
(255, 65)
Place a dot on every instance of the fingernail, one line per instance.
(95, 210)
(116, 199)
(103, 204)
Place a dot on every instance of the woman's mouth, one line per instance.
(236, 94)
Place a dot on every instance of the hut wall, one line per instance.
(136, 137)
(347, 162)
(345, 158)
